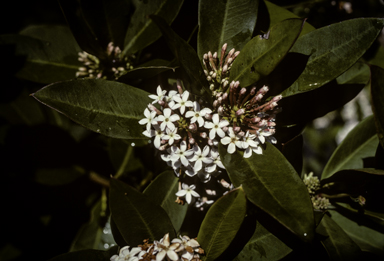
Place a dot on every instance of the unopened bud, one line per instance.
(236, 129)
(208, 116)
(210, 142)
(262, 123)
(209, 78)
(214, 55)
(206, 72)
(264, 89)
(230, 60)
(192, 127)
(225, 96)
(153, 108)
(241, 134)
(203, 135)
(240, 112)
(191, 141)
(225, 68)
(237, 83)
(277, 98)
(162, 148)
(253, 90)
(220, 110)
(211, 73)
(236, 54)
(212, 87)
(219, 100)
(161, 103)
(255, 120)
(271, 124)
(225, 83)
(214, 75)
(215, 103)
(205, 56)
(243, 91)
(225, 129)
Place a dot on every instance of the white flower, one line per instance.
(171, 136)
(181, 154)
(197, 114)
(200, 157)
(169, 98)
(149, 119)
(262, 134)
(165, 248)
(159, 135)
(187, 245)
(167, 119)
(250, 145)
(187, 192)
(126, 255)
(216, 161)
(216, 126)
(159, 96)
(182, 102)
(232, 140)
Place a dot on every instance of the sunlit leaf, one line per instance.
(228, 21)
(162, 191)
(272, 184)
(377, 93)
(333, 49)
(338, 244)
(142, 31)
(136, 216)
(263, 246)
(106, 107)
(358, 74)
(361, 142)
(260, 56)
(221, 223)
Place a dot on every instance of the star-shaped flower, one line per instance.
(159, 96)
(182, 102)
(249, 144)
(216, 161)
(188, 192)
(181, 154)
(197, 114)
(167, 119)
(171, 136)
(126, 255)
(232, 140)
(149, 119)
(216, 126)
(164, 248)
(200, 157)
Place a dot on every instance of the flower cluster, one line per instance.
(182, 248)
(313, 184)
(112, 66)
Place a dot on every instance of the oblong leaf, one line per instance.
(136, 216)
(361, 142)
(357, 74)
(260, 56)
(44, 61)
(221, 223)
(377, 94)
(273, 185)
(333, 50)
(142, 31)
(162, 192)
(233, 24)
(106, 107)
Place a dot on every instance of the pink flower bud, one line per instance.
(225, 129)
(255, 120)
(191, 141)
(240, 112)
(203, 135)
(192, 127)
(236, 129)
(208, 116)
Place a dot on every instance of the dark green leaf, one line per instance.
(377, 93)
(142, 31)
(221, 223)
(293, 152)
(263, 246)
(272, 184)
(278, 14)
(162, 191)
(87, 255)
(378, 59)
(357, 74)
(136, 216)
(368, 239)
(361, 142)
(259, 57)
(121, 154)
(338, 244)
(44, 61)
(144, 72)
(107, 107)
(333, 50)
(187, 58)
(58, 176)
(228, 21)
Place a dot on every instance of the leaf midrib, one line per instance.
(54, 63)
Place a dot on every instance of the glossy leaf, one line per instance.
(187, 58)
(260, 56)
(263, 246)
(107, 107)
(162, 191)
(338, 244)
(136, 216)
(272, 184)
(377, 94)
(87, 255)
(142, 31)
(228, 21)
(221, 223)
(278, 14)
(368, 239)
(333, 50)
(44, 61)
(361, 142)
(358, 74)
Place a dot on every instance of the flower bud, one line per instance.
(192, 127)
(241, 134)
(212, 87)
(236, 129)
(208, 116)
(203, 135)
(255, 120)
(220, 110)
(191, 141)
(240, 112)
(225, 129)
(161, 103)
(210, 142)
(215, 103)
(209, 78)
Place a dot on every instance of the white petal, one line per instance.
(195, 194)
(211, 168)
(215, 118)
(212, 133)
(200, 120)
(225, 140)
(258, 150)
(247, 153)
(231, 148)
(223, 123)
(172, 255)
(184, 161)
(181, 193)
(209, 125)
(174, 117)
(189, 104)
(189, 114)
(207, 160)
(206, 150)
(157, 142)
(143, 121)
(220, 132)
(167, 112)
(160, 256)
(261, 138)
(198, 165)
(196, 106)
(176, 106)
(220, 164)
(183, 146)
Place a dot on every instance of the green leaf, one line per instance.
(378, 59)
(278, 14)
(358, 74)
(58, 176)
(333, 50)
(221, 223)
(189, 61)
(44, 61)
(338, 244)
(272, 184)
(377, 94)
(144, 72)
(368, 239)
(142, 31)
(361, 142)
(260, 56)
(136, 216)
(162, 191)
(110, 108)
(87, 255)
(228, 21)
(263, 246)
